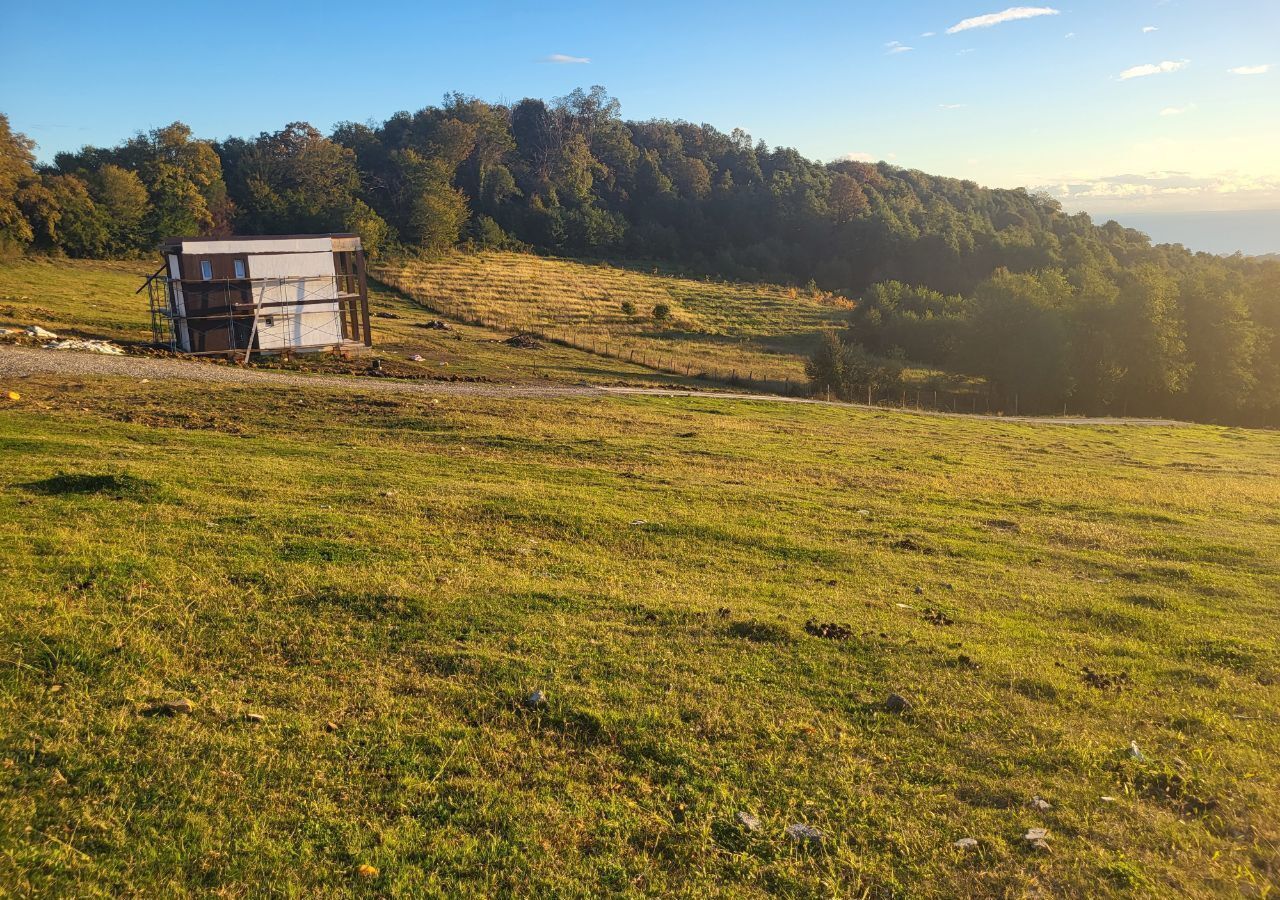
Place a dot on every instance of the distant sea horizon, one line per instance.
(1253, 232)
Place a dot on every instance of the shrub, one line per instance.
(662, 312)
(628, 308)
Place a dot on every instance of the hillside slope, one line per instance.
(358, 592)
(754, 331)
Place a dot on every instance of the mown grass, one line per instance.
(409, 569)
(759, 332)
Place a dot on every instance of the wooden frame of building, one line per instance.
(266, 294)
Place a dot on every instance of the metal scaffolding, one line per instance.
(302, 313)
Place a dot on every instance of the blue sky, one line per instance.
(1114, 106)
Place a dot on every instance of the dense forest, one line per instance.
(1001, 284)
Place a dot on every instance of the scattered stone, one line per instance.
(966, 843)
(1105, 681)
(536, 700)
(180, 707)
(638, 522)
(747, 821)
(435, 325)
(1136, 753)
(39, 333)
(896, 703)
(936, 617)
(1036, 837)
(804, 834)
(330, 726)
(387, 315)
(832, 631)
(1041, 804)
(417, 357)
(255, 718)
(1105, 799)
(919, 590)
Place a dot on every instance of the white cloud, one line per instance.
(929, 34)
(1149, 28)
(1069, 35)
(1012, 14)
(1154, 69)
(1177, 110)
(964, 51)
(952, 105)
(562, 59)
(857, 157)
(1251, 70)
(897, 47)
(1155, 190)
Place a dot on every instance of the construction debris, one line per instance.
(89, 346)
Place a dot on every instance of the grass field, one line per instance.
(97, 299)
(356, 593)
(755, 331)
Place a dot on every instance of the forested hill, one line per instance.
(1000, 283)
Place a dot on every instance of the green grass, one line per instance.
(89, 298)
(757, 331)
(410, 570)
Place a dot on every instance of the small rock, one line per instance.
(256, 718)
(1036, 837)
(966, 843)
(919, 590)
(896, 703)
(417, 357)
(1106, 799)
(747, 821)
(170, 708)
(536, 700)
(43, 334)
(330, 726)
(804, 834)
(1041, 804)
(1136, 753)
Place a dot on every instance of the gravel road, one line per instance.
(18, 361)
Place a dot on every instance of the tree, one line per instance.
(122, 198)
(17, 163)
(825, 368)
(293, 180)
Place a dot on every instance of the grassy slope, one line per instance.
(756, 329)
(90, 298)
(410, 570)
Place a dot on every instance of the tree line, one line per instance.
(1001, 284)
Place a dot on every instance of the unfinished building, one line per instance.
(237, 296)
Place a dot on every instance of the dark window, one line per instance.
(206, 270)
(239, 268)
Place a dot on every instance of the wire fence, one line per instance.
(977, 400)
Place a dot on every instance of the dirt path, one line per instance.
(17, 362)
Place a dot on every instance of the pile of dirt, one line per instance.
(524, 341)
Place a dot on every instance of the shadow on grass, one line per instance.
(118, 487)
